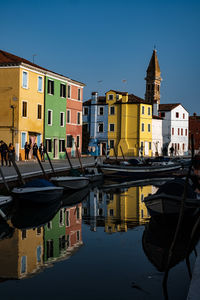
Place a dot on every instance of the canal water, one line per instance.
(104, 247)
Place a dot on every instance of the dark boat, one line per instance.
(74, 197)
(167, 200)
(126, 171)
(38, 191)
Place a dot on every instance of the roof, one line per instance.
(101, 100)
(133, 99)
(168, 107)
(154, 68)
(11, 59)
(118, 92)
(157, 117)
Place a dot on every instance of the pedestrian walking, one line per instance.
(42, 151)
(27, 149)
(11, 153)
(35, 150)
(4, 152)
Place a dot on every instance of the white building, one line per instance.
(157, 138)
(175, 127)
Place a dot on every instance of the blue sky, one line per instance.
(108, 44)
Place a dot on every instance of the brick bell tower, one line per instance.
(153, 81)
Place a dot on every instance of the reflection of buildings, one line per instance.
(63, 234)
(116, 210)
(22, 254)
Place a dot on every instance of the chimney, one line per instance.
(94, 97)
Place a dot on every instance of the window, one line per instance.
(23, 234)
(39, 230)
(181, 131)
(178, 146)
(62, 90)
(85, 111)
(77, 213)
(100, 127)
(183, 147)
(67, 241)
(79, 94)
(142, 213)
(25, 79)
(48, 145)
(39, 111)
(67, 218)
(61, 145)
(78, 118)
(142, 127)
(39, 253)
(40, 87)
(69, 91)
(177, 115)
(149, 111)
(23, 139)
(23, 264)
(148, 87)
(68, 116)
(149, 127)
(62, 118)
(62, 243)
(69, 141)
(61, 217)
(111, 212)
(50, 88)
(185, 132)
(110, 97)
(183, 116)
(49, 117)
(178, 131)
(101, 111)
(112, 127)
(112, 144)
(112, 110)
(142, 110)
(162, 114)
(49, 248)
(78, 235)
(24, 109)
(78, 141)
(149, 145)
(172, 131)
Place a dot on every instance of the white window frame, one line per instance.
(99, 108)
(22, 146)
(24, 101)
(37, 111)
(62, 119)
(59, 145)
(25, 86)
(66, 142)
(70, 91)
(38, 84)
(63, 84)
(48, 86)
(49, 124)
(113, 126)
(112, 96)
(68, 110)
(49, 139)
(98, 127)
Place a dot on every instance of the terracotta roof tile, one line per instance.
(168, 107)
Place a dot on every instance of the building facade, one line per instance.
(194, 129)
(157, 137)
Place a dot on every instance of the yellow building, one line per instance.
(126, 209)
(22, 254)
(21, 102)
(129, 124)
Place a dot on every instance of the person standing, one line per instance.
(42, 151)
(35, 149)
(3, 151)
(11, 153)
(27, 149)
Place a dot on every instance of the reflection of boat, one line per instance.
(31, 216)
(167, 200)
(5, 230)
(5, 199)
(71, 182)
(157, 239)
(74, 197)
(38, 191)
(140, 171)
(93, 174)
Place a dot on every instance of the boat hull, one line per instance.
(127, 172)
(70, 182)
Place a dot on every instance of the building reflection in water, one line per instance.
(27, 252)
(116, 210)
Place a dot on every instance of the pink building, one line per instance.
(74, 117)
(73, 230)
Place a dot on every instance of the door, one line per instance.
(32, 140)
(103, 149)
(55, 148)
(146, 148)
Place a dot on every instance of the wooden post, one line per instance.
(41, 166)
(67, 155)
(54, 173)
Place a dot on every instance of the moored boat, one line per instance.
(70, 182)
(93, 174)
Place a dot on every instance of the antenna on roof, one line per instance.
(34, 56)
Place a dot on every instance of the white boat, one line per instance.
(38, 191)
(5, 199)
(71, 182)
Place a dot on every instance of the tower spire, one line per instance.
(153, 80)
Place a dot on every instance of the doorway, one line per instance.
(55, 148)
(146, 148)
